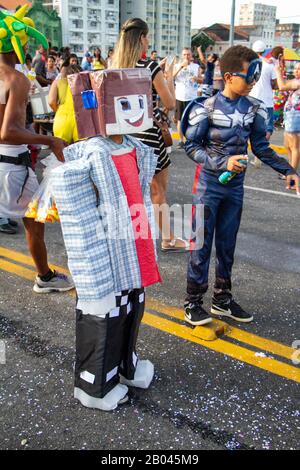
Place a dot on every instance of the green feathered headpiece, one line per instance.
(15, 32)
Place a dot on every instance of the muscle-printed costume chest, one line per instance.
(228, 122)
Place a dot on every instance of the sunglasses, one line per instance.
(253, 73)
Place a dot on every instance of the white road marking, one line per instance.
(272, 192)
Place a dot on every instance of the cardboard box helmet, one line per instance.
(112, 102)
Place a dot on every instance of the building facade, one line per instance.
(288, 35)
(46, 21)
(169, 22)
(87, 24)
(259, 14)
(219, 33)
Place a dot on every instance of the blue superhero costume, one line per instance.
(217, 129)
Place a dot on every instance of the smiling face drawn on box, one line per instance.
(131, 113)
(112, 102)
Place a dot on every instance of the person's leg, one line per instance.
(158, 196)
(208, 196)
(99, 347)
(46, 280)
(134, 372)
(287, 145)
(35, 239)
(162, 215)
(227, 226)
(180, 131)
(178, 115)
(295, 150)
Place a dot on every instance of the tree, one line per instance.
(202, 39)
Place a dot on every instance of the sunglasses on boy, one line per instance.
(253, 73)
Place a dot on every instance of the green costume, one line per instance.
(15, 32)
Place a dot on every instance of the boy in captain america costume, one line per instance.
(217, 132)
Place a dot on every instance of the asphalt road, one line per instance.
(238, 392)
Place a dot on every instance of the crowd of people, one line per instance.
(215, 126)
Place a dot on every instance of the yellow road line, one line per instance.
(278, 148)
(24, 259)
(221, 346)
(18, 270)
(224, 347)
(235, 333)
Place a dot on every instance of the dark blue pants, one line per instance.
(222, 216)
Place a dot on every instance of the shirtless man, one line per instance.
(18, 182)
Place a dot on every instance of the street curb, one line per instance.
(280, 149)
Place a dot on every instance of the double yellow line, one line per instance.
(169, 319)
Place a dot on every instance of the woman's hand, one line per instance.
(169, 68)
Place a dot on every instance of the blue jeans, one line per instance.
(292, 122)
(223, 206)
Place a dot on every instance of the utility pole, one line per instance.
(231, 37)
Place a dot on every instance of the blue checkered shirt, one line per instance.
(100, 264)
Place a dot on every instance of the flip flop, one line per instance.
(173, 248)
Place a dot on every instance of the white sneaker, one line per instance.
(117, 396)
(59, 283)
(143, 375)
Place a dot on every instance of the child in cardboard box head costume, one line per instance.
(103, 197)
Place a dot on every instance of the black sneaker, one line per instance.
(195, 314)
(8, 229)
(13, 223)
(231, 310)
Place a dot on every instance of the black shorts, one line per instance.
(180, 107)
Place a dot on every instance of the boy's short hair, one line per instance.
(233, 59)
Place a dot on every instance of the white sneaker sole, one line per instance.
(47, 290)
(199, 323)
(117, 396)
(229, 315)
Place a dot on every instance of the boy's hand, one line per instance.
(233, 163)
(292, 182)
(57, 146)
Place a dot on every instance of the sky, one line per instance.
(219, 11)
